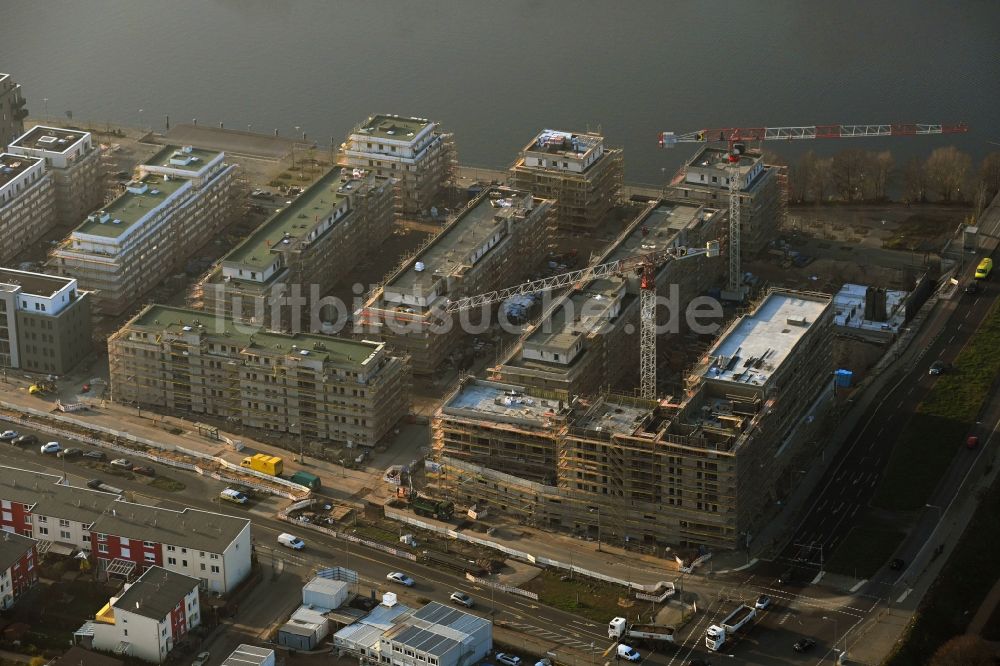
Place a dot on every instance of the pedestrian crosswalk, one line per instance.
(555, 637)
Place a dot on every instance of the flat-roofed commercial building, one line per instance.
(577, 170)
(302, 251)
(589, 337)
(27, 203)
(763, 191)
(704, 468)
(179, 201)
(75, 167)
(416, 153)
(12, 110)
(317, 386)
(494, 242)
(44, 322)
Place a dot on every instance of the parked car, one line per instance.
(628, 653)
(51, 447)
(462, 598)
(94, 484)
(896, 564)
(122, 463)
(144, 470)
(70, 452)
(290, 541)
(8, 435)
(804, 645)
(937, 368)
(24, 440)
(972, 288)
(234, 496)
(401, 578)
(508, 659)
(971, 442)
(763, 602)
(95, 455)
(201, 659)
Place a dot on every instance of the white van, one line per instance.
(233, 496)
(290, 541)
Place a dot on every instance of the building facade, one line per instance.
(74, 164)
(44, 322)
(147, 619)
(577, 170)
(493, 242)
(18, 570)
(27, 204)
(589, 340)
(763, 191)
(301, 252)
(180, 199)
(12, 110)
(416, 153)
(702, 469)
(316, 386)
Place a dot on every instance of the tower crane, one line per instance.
(738, 137)
(643, 265)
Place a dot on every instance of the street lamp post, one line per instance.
(45, 106)
(836, 632)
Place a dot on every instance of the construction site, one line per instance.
(576, 170)
(301, 251)
(495, 240)
(701, 468)
(313, 386)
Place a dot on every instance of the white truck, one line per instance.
(621, 630)
(717, 634)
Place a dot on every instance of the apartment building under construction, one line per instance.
(577, 170)
(763, 191)
(588, 339)
(316, 386)
(74, 164)
(12, 110)
(277, 276)
(704, 468)
(27, 203)
(415, 152)
(179, 200)
(494, 242)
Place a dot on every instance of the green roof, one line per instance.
(296, 220)
(129, 207)
(162, 158)
(393, 127)
(163, 318)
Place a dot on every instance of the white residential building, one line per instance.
(27, 203)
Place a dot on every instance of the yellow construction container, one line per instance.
(262, 462)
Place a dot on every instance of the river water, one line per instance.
(495, 72)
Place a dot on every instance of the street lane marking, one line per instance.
(858, 585)
(818, 577)
(951, 339)
(903, 596)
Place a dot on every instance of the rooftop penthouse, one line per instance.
(554, 149)
(51, 139)
(395, 128)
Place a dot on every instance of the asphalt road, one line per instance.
(854, 476)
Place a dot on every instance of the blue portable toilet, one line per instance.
(842, 378)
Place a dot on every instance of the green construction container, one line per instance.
(310, 481)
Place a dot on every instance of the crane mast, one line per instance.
(737, 137)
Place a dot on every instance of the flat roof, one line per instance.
(249, 655)
(610, 416)
(13, 546)
(191, 528)
(850, 304)
(718, 158)
(657, 231)
(36, 284)
(12, 166)
(50, 498)
(500, 401)
(436, 629)
(297, 220)
(156, 593)
(52, 139)
(451, 249)
(569, 144)
(201, 157)
(163, 318)
(758, 343)
(387, 126)
(130, 207)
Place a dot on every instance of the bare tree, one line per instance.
(821, 186)
(848, 172)
(881, 171)
(947, 170)
(989, 175)
(915, 180)
(801, 176)
(964, 650)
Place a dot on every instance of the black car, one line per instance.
(71, 452)
(95, 455)
(94, 483)
(804, 645)
(972, 288)
(896, 564)
(25, 440)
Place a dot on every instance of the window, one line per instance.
(43, 519)
(215, 568)
(172, 561)
(171, 549)
(43, 530)
(202, 566)
(64, 534)
(7, 516)
(148, 544)
(102, 548)
(63, 523)
(102, 537)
